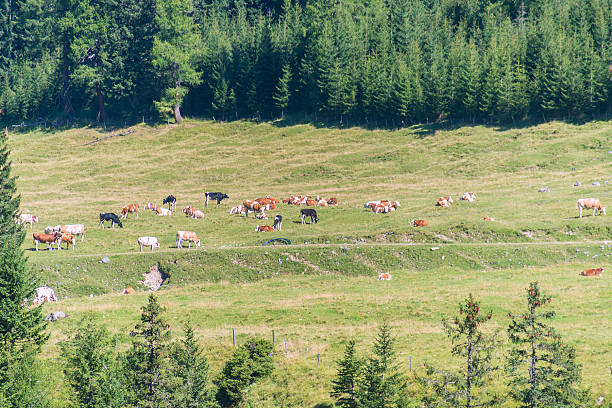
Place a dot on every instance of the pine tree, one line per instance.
(147, 368)
(175, 49)
(382, 385)
(345, 384)
(190, 372)
(468, 387)
(92, 369)
(21, 327)
(543, 371)
(281, 97)
(249, 363)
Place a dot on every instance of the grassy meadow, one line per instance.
(322, 290)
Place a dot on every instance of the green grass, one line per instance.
(318, 293)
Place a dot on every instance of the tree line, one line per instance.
(406, 61)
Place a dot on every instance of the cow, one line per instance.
(44, 294)
(162, 211)
(311, 203)
(73, 229)
(261, 216)
(197, 214)
(171, 201)
(589, 203)
(332, 201)
(130, 208)
(271, 206)
(129, 291)
(381, 208)
(187, 236)
(112, 217)
(239, 209)
(149, 206)
(264, 228)
(28, 219)
(468, 196)
(487, 218)
(592, 272)
(214, 196)
(418, 223)
(278, 222)
(68, 239)
(322, 203)
(48, 239)
(188, 211)
(444, 201)
(148, 241)
(384, 276)
(309, 212)
(252, 206)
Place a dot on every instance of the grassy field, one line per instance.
(318, 293)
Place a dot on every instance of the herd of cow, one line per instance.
(68, 233)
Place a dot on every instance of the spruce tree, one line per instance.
(542, 369)
(345, 384)
(21, 326)
(467, 387)
(192, 387)
(382, 384)
(283, 92)
(147, 368)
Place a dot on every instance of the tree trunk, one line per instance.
(65, 96)
(101, 111)
(177, 114)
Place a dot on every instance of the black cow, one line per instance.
(278, 222)
(171, 201)
(112, 217)
(309, 212)
(214, 196)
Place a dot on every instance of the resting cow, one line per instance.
(384, 276)
(589, 203)
(239, 209)
(468, 196)
(264, 228)
(418, 223)
(592, 272)
(162, 211)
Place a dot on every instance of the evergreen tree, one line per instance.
(468, 387)
(249, 363)
(174, 51)
(543, 371)
(92, 369)
(21, 327)
(382, 385)
(190, 372)
(345, 384)
(281, 97)
(146, 367)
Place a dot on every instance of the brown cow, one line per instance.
(592, 272)
(131, 208)
(589, 203)
(264, 228)
(187, 236)
(129, 291)
(68, 239)
(418, 223)
(252, 206)
(48, 239)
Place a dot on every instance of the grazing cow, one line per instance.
(68, 239)
(148, 241)
(589, 203)
(44, 294)
(487, 218)
(197, 214)
(264, 228)
(112, 217)
(444, 201)
(592, 272)
(171, 201)
(384, 276)
(468, 196)
(214, 196)
(278, 222)
(309, 212)
(239, 209)
(187, 236)
(261, 216)
(162, 211)
(48, 239)
(28, 219)
(188, 211)
(129, 291)
(252, 206)
(418, 223)
(131, 208)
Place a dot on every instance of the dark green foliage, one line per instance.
(542, 368)
(346, 381)
(250, 362)
(467, 387)
(192, 386)
(92, 369)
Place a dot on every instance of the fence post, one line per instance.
(234, 336)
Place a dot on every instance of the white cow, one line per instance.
(163, 211)
(468, 196)
(28, 219)
(589, 203)
(44, 294)
(148, 241)
(73, 229)
(239, 209)
(189, 236)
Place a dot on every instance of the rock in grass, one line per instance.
(544, 190)
(596, 183)
(104, 260)
(577, 184)
(51, 317)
